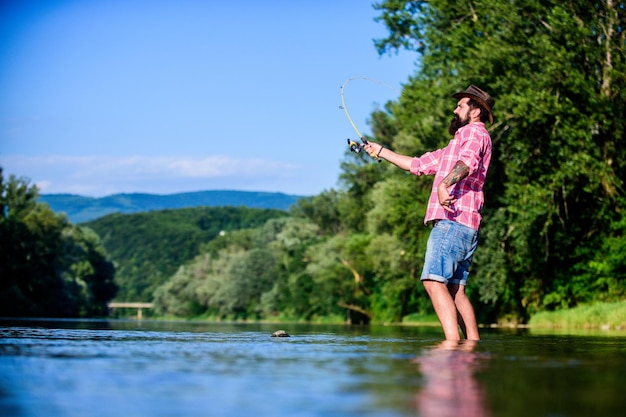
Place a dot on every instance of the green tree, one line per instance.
(149, 247)
(557, 72)
(49, 267)
(246, 273)
(89, 271)
(322, 210)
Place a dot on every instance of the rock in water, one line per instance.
(280, 333)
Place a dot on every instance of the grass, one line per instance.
(606, 316)
(421, 319)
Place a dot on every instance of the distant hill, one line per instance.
(147, 248)
(81, 209)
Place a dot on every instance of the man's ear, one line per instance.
(476, 112)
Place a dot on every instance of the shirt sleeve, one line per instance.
(472, 143)
(426, 164)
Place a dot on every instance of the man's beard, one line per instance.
(456, 123)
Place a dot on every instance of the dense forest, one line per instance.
(48, 266)
(147, 248)
(553, 232)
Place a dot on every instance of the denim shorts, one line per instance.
(449, 252)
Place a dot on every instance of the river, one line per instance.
(156, 368)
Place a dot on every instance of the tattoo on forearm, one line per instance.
(459, 171)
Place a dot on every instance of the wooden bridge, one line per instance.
(138, 306)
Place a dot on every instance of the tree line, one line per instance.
(148, 247)
(49, 267)
(53, 268)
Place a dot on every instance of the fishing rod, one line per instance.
(353, 145)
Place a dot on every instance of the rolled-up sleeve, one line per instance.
(415, 166)
(426, 164)
(472, 146)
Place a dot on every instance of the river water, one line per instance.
(151, 368)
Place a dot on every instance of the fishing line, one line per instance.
(355, 147)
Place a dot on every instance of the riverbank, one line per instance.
(605, 316)
(601, 316)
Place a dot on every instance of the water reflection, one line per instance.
(450, 385)
(123, 368)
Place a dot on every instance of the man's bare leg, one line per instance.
(461, 322)
(444, 307)
(465, 310)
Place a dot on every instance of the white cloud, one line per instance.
(104, 175)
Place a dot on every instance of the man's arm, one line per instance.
(401, 161)
(458, 172)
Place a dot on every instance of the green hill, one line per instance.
(81, 209)
(147, 248)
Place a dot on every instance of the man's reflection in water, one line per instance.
(450, 387)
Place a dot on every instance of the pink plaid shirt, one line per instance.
(472, 146)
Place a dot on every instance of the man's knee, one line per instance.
(429, 284)
(434, 288)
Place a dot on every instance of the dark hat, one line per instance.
(480, 96)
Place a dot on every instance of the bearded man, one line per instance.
(454, 208)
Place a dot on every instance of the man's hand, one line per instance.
(459, 171)
(445, 199)
(373, 149)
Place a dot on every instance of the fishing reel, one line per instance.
(354, 147)
(358, 147)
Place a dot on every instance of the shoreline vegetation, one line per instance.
(600, 316)
(604, 316)
(596, 316)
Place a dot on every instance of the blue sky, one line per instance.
(110, 96)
